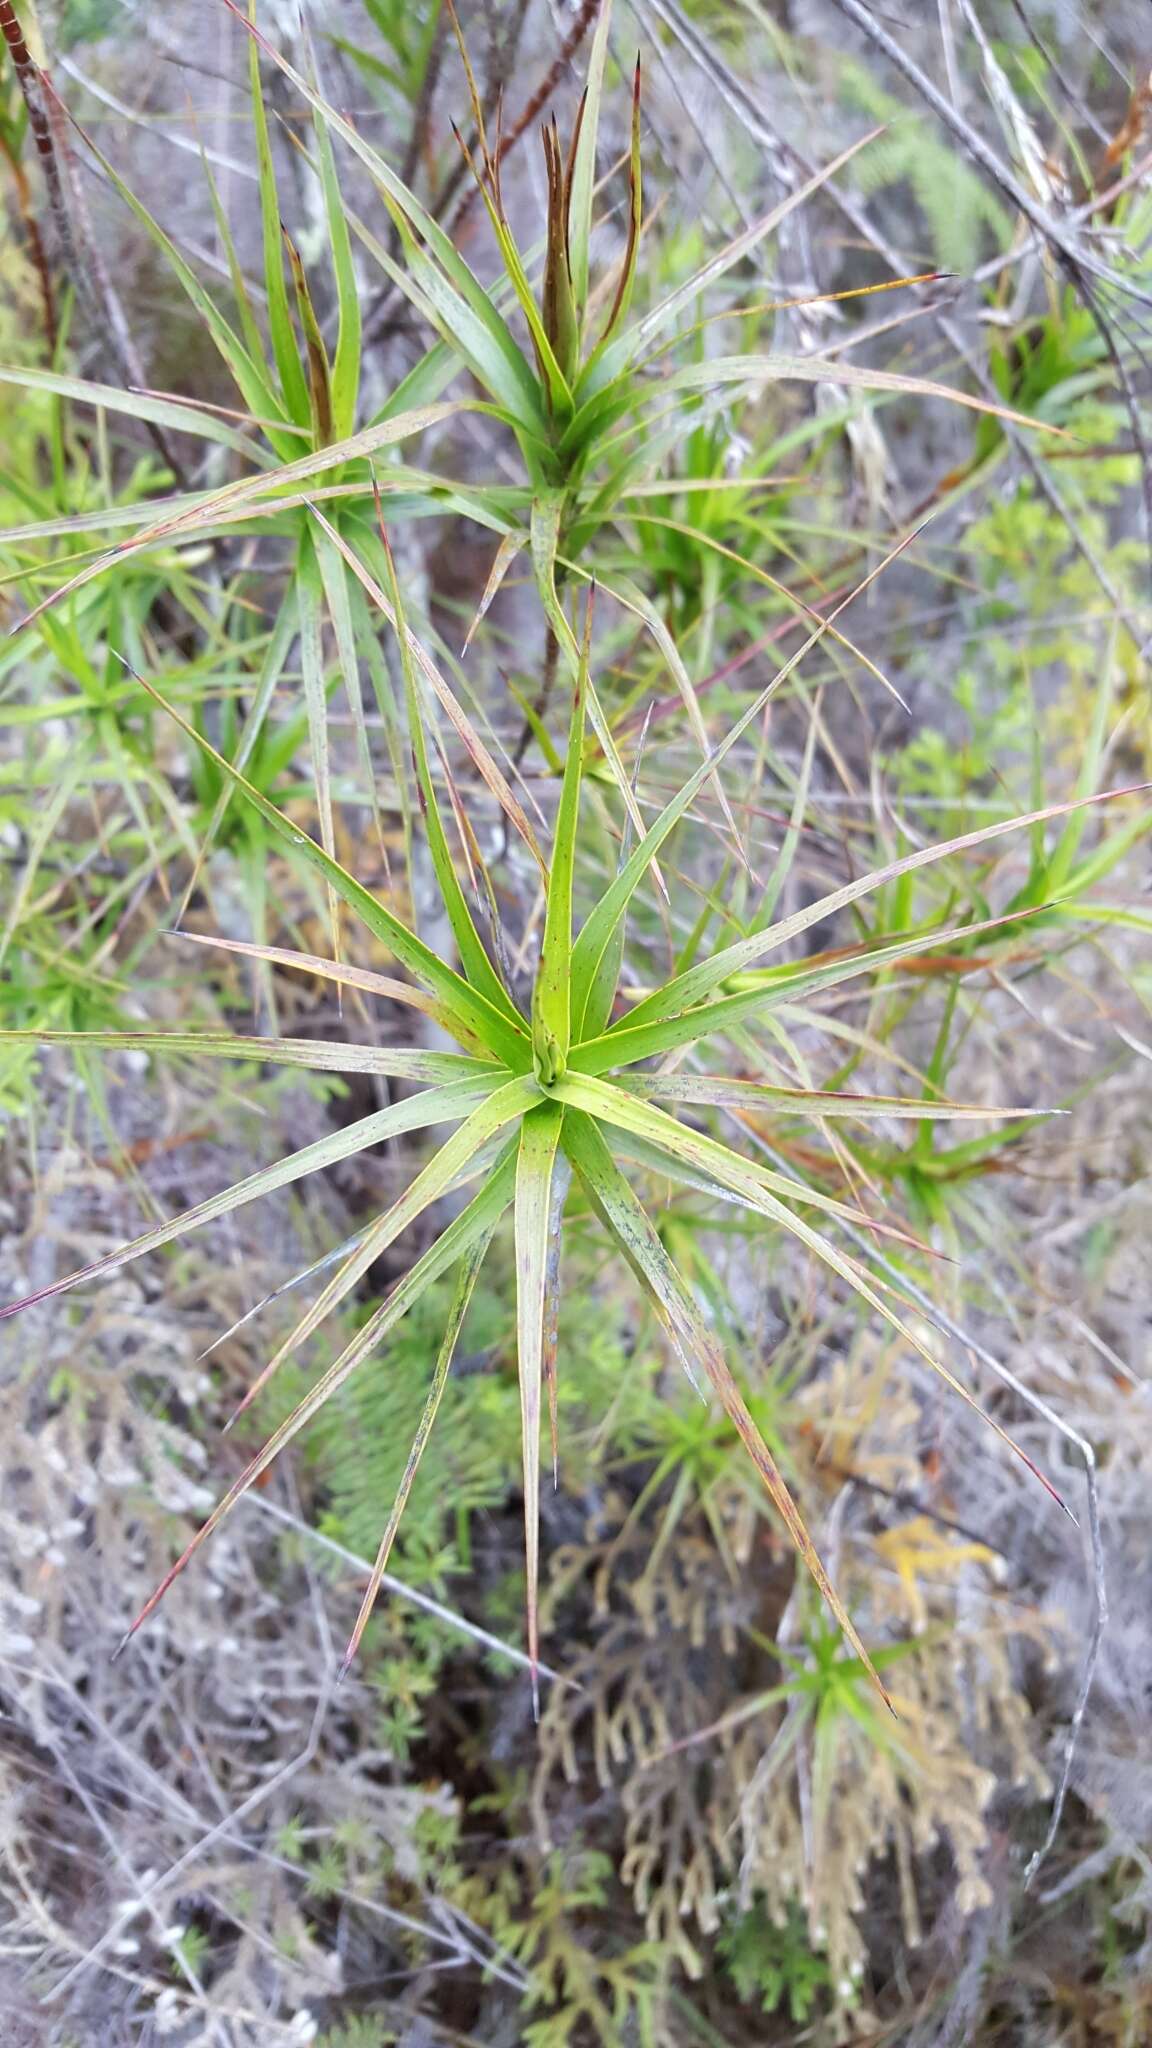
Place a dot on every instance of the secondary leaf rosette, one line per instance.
(583, 377)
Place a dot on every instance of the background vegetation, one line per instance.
(469, 598)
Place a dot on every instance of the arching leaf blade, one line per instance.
(634, 1232)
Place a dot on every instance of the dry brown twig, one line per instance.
(33, 84)
(1075, 259)
(751, 114)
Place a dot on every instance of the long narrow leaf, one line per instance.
(539, 1137)
(446, 1104)
(656, 1034)
(641, 1245)
(547, 509)
(584, 164)
(506, 554)
(669, 309)
(462, 302)
(752, 371)
(735, 1174)
(487, 1200)
(495, 1109)
(320, 1055)
(477, 751)
(698, 982)
(603, 922)
(750, 1182)
(477, 966)
(633, 599)
(247, 497)
(176, 414)
(340, 972)
(309, 589)
(720, 1091)
(346, 361)
(338, 599)
(249, 376)
(458, 1239)
(272, 668)
(285, 350)
(481, 1021)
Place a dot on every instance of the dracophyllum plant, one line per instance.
(561, 1091)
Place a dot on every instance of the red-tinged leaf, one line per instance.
(456, 1158)
(496, 1032)
(629, 1223)
(444, 1104)
(477, 751)
(603, 924)
(623, 295)
(762, 1191)
(338, 971)
(406, 1063)
(469, 1273)
(698, 982)
(755, 1185)
(506, 554)
(459, 1238)
(259, 493)
(721, 1091)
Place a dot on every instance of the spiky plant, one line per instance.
(551, 1090)
(540, 1095)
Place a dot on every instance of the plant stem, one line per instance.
(32, 85)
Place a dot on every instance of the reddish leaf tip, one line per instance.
(1046, 1483)
(242, 1406)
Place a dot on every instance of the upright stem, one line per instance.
(544, 695)
(32, 85)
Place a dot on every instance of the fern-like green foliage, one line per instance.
(362, 2031)
(959, 209)
(576, 1993)
(360, 1442)
(1028, 569)
(772, 1962)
